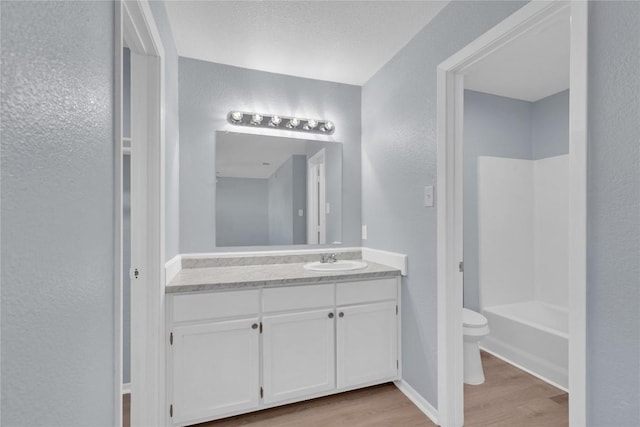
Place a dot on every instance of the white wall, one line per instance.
(523, 230)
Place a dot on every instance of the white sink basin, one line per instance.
(341, 265)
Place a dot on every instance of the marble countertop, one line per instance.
(253, 276)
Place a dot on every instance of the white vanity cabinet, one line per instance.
(214, 355)
(298, 341)
(238, 351)
(367, 332)
(367, 349)
(215, 369)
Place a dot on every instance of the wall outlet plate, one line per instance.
(364, 232)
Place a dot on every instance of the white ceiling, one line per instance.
(339, 41)
(532, 67)
(241, 155)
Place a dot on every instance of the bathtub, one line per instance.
(533, 336)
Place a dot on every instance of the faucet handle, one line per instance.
(323, 259)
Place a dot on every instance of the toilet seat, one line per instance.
(472, 319)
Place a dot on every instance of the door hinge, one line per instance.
(461, 266)
(260, 327)
(396, 309)
(397, 364)
(261, 392)
(171, 338)
(171, 411)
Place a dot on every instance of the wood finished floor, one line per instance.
(509, 397)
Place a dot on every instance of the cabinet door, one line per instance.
(215, 369)
(367, 343)
(298, 354)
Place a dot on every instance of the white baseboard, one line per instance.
(126, 388)
(418, 400)
(392, 259)
(172, 267)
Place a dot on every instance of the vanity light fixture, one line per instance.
(327, 127)
(311, 124)
(293, 123)
(256, 119)
(275, 121)
(235, 116)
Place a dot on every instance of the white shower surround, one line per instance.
(523, 261)
(523, 230)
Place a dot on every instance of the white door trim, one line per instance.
(449, 211)
(136, 29)
(316, 206)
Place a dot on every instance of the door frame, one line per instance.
(135, 28)
(318, 159)
(450, 98)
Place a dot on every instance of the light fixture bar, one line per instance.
(275, 121)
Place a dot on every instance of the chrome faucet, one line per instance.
(324, 259)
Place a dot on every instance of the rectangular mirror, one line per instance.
(277, 190)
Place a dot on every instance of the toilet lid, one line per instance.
(473, 319)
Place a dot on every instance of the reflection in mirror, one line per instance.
(277, 191)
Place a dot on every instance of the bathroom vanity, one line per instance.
(251, 333)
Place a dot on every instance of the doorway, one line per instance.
(135, 29)
(316, 196)
(452, 75)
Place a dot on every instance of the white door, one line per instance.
(298, 354)
(215, 369)
(367, 343)
(316, 200)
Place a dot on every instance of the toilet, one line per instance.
(474, 327)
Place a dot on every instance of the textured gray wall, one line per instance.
(172, 147)
(241, 212)
(550, 126)
(613, 215)
(280, 190)
(399, 159)
(209, 91)
(493, 126)
(57, 213)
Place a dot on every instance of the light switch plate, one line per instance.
(300, 212)
(428, 196)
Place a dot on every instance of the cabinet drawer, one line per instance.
(215, 305)
(366, 291)
(297, 297)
